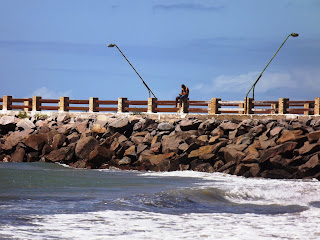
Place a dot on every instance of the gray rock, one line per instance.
(25, 124)
(124, 161)
(165, 126)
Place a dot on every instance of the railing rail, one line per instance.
(153, 105)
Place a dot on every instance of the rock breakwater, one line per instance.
(251, 148)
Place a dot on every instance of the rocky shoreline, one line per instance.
(267, 148)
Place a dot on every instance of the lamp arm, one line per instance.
(136, 72)
(267, 65)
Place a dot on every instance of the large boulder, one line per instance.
(160, 162)
(119, 124)
(35, 141)
(19, 154)
(289, 135)
(62, 155)
(314, 136)
(230, 126)
(14, 138)
(309, 148)
(170, 143)
(189, 124)
(82, 127)
(85, 146)
(275, 131)
(206, 152)
(207, 126)
(285, 148)
(97, 128)
(7, 123)
(58, 141)
(99, 156)
(24, 124)
(165, 126)
(232, 154)
(311, 167)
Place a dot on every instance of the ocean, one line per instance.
(51, 201)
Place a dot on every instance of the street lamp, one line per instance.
(253, 86)
(150, 92)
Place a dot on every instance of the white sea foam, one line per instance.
(146, 225)
(110, 224)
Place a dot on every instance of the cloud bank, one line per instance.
(46, 93)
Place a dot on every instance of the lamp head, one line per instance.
(111, 45)
(294, 34)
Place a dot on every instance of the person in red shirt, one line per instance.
(183, 95)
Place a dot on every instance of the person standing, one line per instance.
(183, 95)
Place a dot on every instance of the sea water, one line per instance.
(50, 201)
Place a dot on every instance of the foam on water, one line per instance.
(219, 206)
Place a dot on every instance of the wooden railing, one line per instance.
(152, 105)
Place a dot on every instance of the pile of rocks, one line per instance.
(251, 148)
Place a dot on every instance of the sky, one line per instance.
(217, 48)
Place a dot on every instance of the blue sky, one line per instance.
(217, 48)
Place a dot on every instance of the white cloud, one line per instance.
(44, 92)
(243, 82)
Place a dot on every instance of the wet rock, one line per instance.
(85, 146)
(275, 174)
(241, 169)
(204, 167)
(160, 162)
(62, 155)
(98, 156)
(226, 166)
(19, 154)
(311, 167)
(33, 157)
(124, 161)
(277, 150)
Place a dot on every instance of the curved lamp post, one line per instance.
(150, 92)
(253, 86)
